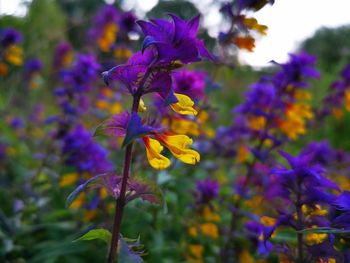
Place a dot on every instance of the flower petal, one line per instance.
(153, 150)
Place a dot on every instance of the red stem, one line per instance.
(121, 201)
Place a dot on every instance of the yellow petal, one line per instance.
(184, 105)
(178, 145)
(142, 107)
(68, 179)
(153, 150)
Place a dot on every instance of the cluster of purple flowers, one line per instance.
(9, 37)
(77, 80)
(83, 153)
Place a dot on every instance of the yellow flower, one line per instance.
(184, 105)
(257, 123)
(116, 108)
(245, 257)
(79, 201)
(267, 221)
(178, 146)
(14, 55)
(182, 126)
(122, 53)
(103, 193)
(315, 238)
(208, 215)
(192, 231)
(68, 179)
(302, 95)
(153, 150)
(242, 154)
(142, 106)
(252, 23)
(210, 230)
(247, 43)
(101, 104)
(347, 99)
(196, 250)
(296, 116)
(108, 37)
(337, 113)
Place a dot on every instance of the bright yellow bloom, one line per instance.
(252, 23)
(184, 105)
(178, 146)
(296, 116)
(68, 179)
(210, 230)
(14, 55)
(153, 150)
(315, 238)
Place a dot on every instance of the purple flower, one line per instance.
(174, 40)
(259, 99)
(84, 70)
(190, 83)
(303, 177)
(208, 190)
(294, 72)
(108, 14)
(62, 55)
(137, 77)
(9, 36)
(83, 153)
(33, 65)
(127, 22)
(322, 152)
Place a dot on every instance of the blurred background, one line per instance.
(43, 231)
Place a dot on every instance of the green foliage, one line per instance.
(44, 27)
(101, 234)
(331, 46)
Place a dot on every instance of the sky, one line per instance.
(289, 23)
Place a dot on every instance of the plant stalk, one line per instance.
(121, 201)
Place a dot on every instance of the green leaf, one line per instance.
(326, 230)
(100, 233)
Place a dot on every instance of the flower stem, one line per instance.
(121, 201)
(299, 225)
